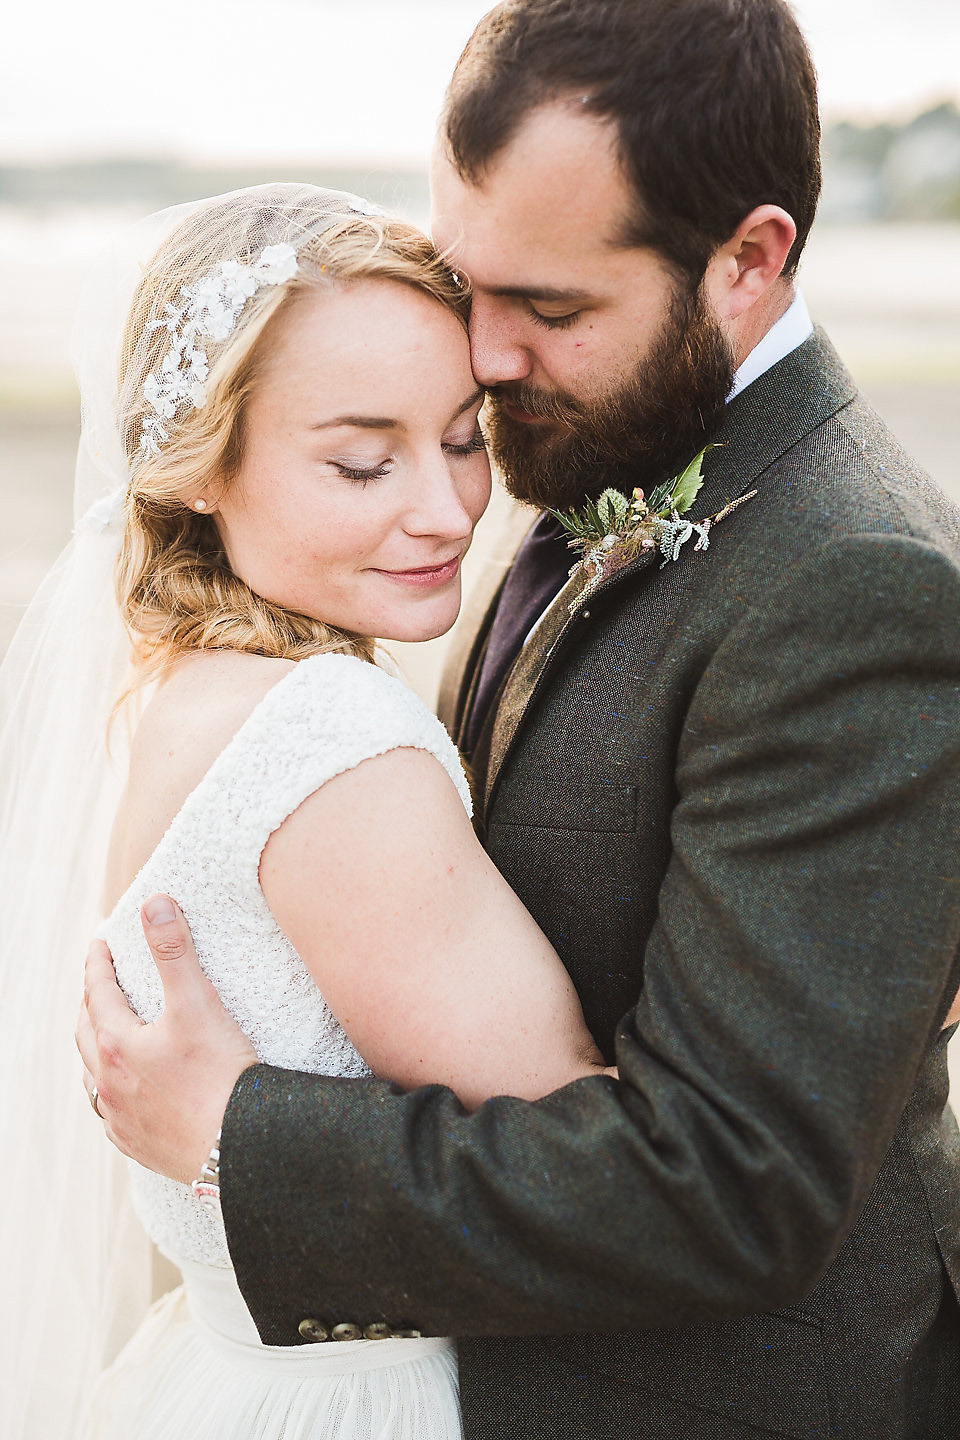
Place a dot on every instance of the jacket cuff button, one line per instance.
(346, 1331)
(377, 1331)
(313, 1330)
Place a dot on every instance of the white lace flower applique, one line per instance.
(208, 310)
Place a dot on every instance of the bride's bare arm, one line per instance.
(425, 955)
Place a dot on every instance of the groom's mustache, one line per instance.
(556, 406)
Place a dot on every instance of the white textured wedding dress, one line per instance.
(196, 1366)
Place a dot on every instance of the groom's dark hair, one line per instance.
(715, 102)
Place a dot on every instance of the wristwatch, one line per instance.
(206, 1187)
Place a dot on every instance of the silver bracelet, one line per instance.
(206, 1187)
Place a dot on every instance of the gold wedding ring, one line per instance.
(94, 1099)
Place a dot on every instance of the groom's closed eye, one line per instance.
(553, 322)
(553, 308)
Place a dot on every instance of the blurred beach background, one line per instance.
(112, 109)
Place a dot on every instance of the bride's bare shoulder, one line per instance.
(192, 715)
(201, 702)
(197, 708)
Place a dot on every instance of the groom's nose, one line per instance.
(497, 351)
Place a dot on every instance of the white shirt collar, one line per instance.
(793, 327)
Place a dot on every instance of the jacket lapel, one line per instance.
(772, 415)
(538, 656)
(768, 419)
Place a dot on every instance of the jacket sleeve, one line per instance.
(803, 960)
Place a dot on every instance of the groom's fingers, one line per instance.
(103, 1000)
(162, 1088)
(174, 954)
(194, 1014)
(104, 1026)
(86, 1043)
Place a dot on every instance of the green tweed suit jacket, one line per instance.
(729, 791)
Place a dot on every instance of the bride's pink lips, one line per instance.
(428, 577)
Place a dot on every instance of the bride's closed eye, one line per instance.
(361, 474)
(473, 446)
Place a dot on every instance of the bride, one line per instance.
(287, 464)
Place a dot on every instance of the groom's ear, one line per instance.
(742, 271)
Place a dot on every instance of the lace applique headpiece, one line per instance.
(209, 309)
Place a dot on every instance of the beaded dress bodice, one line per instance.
(324, 717)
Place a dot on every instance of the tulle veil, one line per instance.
(75, 1268)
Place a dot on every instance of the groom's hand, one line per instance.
(162, 1088)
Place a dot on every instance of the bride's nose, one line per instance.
(442, 503)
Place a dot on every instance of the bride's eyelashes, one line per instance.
(361, 474)
(473, 446)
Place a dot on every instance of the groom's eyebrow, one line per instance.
(382, 422)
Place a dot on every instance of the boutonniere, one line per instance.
(612, 531)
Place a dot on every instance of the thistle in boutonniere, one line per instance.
(612, 531)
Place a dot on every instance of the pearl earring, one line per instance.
(199, 504)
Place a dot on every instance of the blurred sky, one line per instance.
(214, 80)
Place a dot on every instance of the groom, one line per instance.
(727, 785)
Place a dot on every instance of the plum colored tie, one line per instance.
(538, 573)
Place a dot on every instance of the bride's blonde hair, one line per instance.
(176, 589)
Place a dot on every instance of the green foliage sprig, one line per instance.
(613, 530)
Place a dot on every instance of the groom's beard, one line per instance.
(642, 432)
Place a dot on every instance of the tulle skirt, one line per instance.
(196, 1366)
